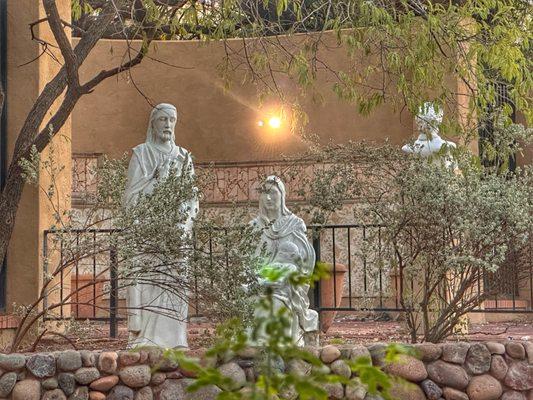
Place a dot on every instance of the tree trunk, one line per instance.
(30, 135)
(12, 192)
(2, 99)
(9, 201)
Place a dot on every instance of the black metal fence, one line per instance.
(365, 280)
(84, 286)
(364, 276)
(372, 280)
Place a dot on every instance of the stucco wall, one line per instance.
(214, 124)
(25, 81)
(525, 157)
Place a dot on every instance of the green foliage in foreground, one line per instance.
(274, 351)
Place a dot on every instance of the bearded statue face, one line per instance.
(163, 124)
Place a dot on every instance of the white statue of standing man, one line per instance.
(151, 162)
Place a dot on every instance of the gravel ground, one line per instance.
(345, 329)
(349, 331)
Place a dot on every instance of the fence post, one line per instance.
(316, 291)
(113, 295)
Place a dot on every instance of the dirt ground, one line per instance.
(366, 331)
(345, 330)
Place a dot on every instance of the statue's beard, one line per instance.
(165, 137)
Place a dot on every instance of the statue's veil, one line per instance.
(155, 110)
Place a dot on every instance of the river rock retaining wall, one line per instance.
(450, 371)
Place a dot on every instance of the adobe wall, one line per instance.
(451, 371)
(526, 156)
(25, 81)
(214, 124)
(219, 124)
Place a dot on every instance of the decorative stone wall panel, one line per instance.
(143, 374)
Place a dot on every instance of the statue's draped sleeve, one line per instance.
(299, 234)
(195, 203)
(296, 232)
(139, 177)
(308, 319)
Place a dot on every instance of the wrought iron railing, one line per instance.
(88, 288)
(372, 282)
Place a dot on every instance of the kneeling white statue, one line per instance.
(285, 245)
(156, 316)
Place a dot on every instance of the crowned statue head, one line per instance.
(429, 119)
(272, 198)
(429, 143)
(161, 126)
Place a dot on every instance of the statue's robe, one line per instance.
(156, 316)
(290, 228)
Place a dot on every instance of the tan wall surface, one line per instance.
(526, 156)
(213, 124)
(22, 85)
(24, 274)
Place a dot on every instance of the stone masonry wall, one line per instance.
(450, 371)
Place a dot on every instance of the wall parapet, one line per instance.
(222, 183)
(453, 370)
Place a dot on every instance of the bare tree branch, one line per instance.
(71, 63)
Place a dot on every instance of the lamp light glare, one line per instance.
(274, 122)
(260, 123)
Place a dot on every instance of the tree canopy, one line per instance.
(402, 52)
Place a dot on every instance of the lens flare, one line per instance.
(274, 122)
